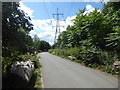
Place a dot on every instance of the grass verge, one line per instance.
(37, 72)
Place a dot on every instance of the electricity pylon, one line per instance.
(57, 32)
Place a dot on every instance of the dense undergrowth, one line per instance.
(90, 57)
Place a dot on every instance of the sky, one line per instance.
(41, 14)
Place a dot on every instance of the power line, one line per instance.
(57, 32)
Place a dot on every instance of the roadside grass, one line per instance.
(37, 71)
(38, 78)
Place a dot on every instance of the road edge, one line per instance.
(42, 85)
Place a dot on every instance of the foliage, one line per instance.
(36, 41)
(112, 12)
(62, 40)
(15, 34)
(16, 41)
(37, 72)
(40, 45)
(44, 46)
(93, 29)
(7, 61)
(94, 38)
(16, 26)
(38, 78)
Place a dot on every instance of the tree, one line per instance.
(44, 46)
(36, 41)
(15, 34)
(97, 28)
(15, 28)
(94, 38)
(62, 40)
(112, 12)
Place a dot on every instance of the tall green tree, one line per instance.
(112, 12)
(97, 28)
(62, 40)
(13, 37)
(15, 33)
(44, 46)
(36, 41)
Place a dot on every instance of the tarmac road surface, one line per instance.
(61, 73)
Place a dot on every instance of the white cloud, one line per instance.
(42, 24)
(47, 36)
(89, 8)
(26, 9)
(43, 28)
(69, 20)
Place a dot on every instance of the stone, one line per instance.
(116, 64)
(71, 57)
(23, 69)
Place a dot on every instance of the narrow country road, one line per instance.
(60, 73)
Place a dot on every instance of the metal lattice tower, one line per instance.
(57, 32)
